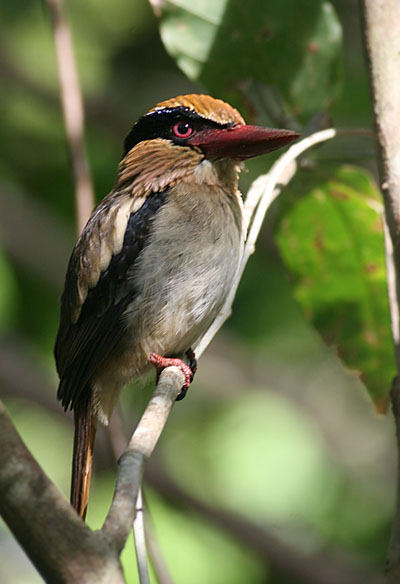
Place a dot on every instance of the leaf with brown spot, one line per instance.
(331, 240)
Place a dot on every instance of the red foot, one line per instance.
(162, 362)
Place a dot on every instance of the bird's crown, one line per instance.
(169, 118)
(203, 106)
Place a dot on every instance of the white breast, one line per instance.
(187, 268)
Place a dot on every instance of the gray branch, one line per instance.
(59, 544)
(118, 523)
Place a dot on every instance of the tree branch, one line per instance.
(73, 112)
(119, 520)
(381, 20)
(59, 544)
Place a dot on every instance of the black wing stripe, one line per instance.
(82, 347)
(79, 373)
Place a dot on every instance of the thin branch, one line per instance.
(119, 520)
(73, 112)
(140, 541)
(158, 563)
(121, 514)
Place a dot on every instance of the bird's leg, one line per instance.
(187, 370)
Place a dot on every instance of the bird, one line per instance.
(155, 261)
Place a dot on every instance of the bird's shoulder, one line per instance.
(101, 240)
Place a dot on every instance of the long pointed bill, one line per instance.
(241, 142)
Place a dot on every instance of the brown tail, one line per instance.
(85, 433)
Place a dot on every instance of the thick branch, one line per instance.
(60, 545)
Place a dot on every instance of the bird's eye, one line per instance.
(182, 130)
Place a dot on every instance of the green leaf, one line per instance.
(225, 44)
(331, 239)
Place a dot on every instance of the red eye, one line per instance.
(182, 130)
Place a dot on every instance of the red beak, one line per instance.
(241, 142)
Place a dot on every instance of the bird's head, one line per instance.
(176, 136)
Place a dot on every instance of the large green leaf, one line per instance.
(331, 239)
(225, 44)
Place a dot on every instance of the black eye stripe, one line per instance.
(159, 124)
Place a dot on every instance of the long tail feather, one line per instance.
(85, 433)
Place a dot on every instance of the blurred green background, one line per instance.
(278, 427)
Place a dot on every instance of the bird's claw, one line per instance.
(162, 362)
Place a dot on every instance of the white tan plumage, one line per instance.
(156, 260)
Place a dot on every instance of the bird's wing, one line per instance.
(97, 290)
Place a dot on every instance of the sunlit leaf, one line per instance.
(225, 44)
(331, 239)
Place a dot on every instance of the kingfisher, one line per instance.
(156, 260)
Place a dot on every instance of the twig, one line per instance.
(156, 557)
(122, 512)
(381, 20)
(73, 113)
(118, 440)
(140, 541)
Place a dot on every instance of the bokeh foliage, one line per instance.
(228, 44)
(274, 427)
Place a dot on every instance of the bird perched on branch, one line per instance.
(156, 260)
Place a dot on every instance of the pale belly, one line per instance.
(183, 279)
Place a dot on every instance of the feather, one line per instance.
(82, 346)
